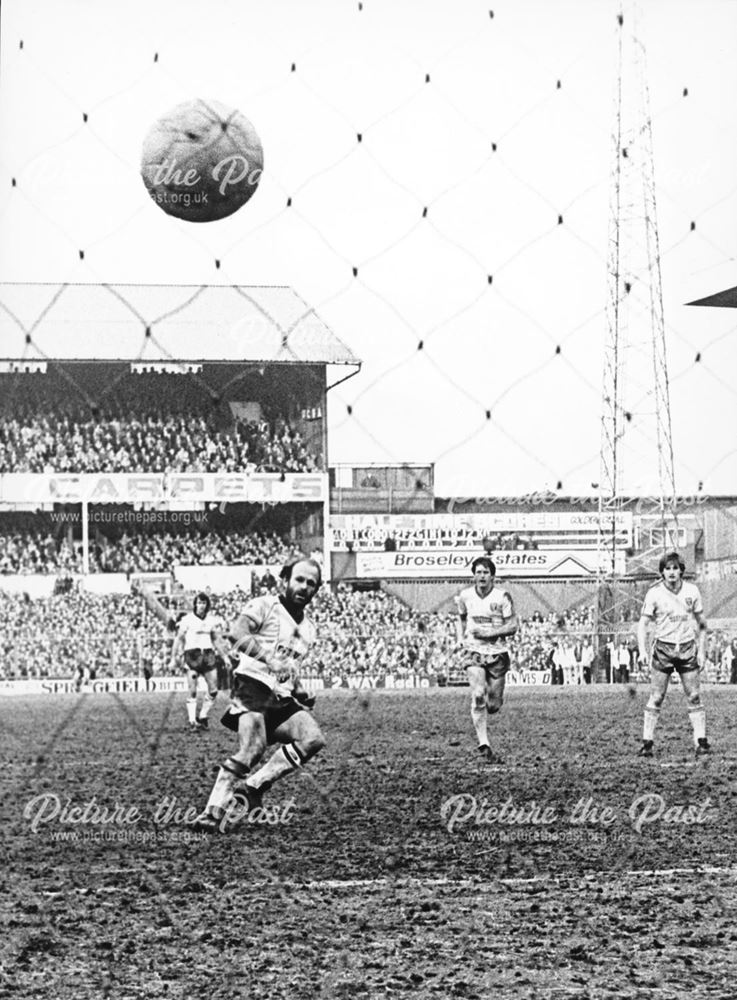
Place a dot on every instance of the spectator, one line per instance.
(623, 661)
(587, 661)
(732, 661)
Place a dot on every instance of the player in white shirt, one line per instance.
(199, 635)
(486, 623)
(674, 611)
(268, 704)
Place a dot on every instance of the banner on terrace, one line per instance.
(168, 683)
(456, 563)
(578, 529)
(158, 683)
(103, 488)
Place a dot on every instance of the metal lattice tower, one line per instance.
(636, 421)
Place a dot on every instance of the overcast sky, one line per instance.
(537, 79)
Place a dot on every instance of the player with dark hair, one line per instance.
(486, 622)
(198, 639)
(674, 609)
(268, 704)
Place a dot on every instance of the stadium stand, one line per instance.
(162, 423)
(36, 543)
(158, 551)
(53, 637)
(33, 551)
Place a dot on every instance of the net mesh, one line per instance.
(435, 205)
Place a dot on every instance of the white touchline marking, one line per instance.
(591, 877)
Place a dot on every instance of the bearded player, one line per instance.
(268, 704)
(674, 612)
(486, 623)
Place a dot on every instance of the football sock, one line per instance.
(207, 703)
(651, 720)
(478, 716)
(286, 759)
(222, 791)
(698, 721)
(192, 709)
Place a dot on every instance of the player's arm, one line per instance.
(643, 648)
(461, 624)
(219, 644)
(153, 603)
(176, 650)
(647, 618)
(177, 647)
(302, 695)
(461, 621)
(244, 640)
(702, 630)
(509, 625)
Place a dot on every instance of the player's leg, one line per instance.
(495, 693)
(223, 681)
(477, 683)
(691, 681)
(250, 700)
(251, 745)
(211, 680)
(659, 680)
(300, 738)
(192, 676)
(496, 678)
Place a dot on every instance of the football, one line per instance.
(201, 161)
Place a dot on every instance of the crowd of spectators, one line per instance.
(56, 636)
(721, 658)
(113, 635)
(534, 643)
(29, 551)
(26, 551)
(152, 441)
(359, 634)
(374, 633)
(158, 552)
(164, 423)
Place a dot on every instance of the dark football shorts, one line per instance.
(250, 695)
(202, 661)
(496, 667)
(670, 656)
